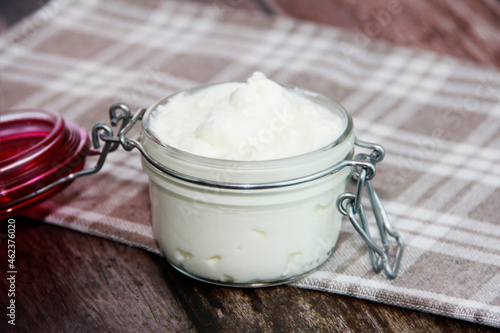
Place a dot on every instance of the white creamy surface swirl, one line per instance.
(256, 120)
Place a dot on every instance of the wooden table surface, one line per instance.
(70, 282)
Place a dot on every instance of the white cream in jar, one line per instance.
(246, 133)
(256, 120)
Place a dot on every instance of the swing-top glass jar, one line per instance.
(253, 235)
(247, 222)
(257, 220)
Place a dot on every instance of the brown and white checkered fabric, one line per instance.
(437, 117)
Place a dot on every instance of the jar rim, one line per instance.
(200, 159)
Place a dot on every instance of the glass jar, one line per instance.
(247, 236)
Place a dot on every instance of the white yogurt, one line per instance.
(256, 120)
(250, 132)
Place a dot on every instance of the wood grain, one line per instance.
(468, 29)
(71, 282)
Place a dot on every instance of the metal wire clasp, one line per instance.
(350, 205)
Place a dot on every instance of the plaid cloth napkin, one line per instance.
(437, 117)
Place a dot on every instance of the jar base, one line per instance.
(256, 284)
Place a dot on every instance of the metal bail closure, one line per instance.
(350, 205)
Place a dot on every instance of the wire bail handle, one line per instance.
(350, 205)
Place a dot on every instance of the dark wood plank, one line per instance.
(468, 29)
(289, 309)
(69, 281)
(227, 6)
(11, 11)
